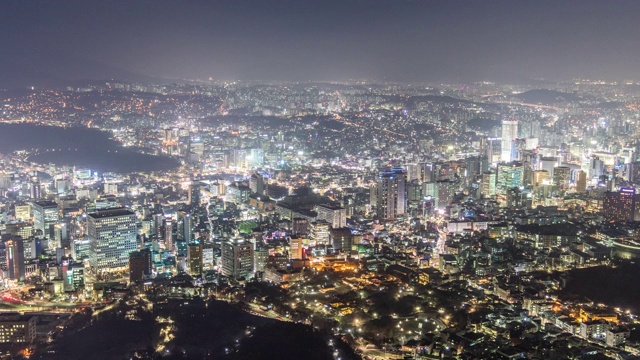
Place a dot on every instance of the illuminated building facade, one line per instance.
(619, 206)
(113, 234)
(17, 329)
(391, 194)
(194, 258)
(237, 259)
(45, 215)
(509, 133)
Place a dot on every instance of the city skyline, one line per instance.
(330, 180)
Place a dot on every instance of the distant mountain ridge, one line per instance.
(546, 97)
(27, 71)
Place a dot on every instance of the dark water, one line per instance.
(619, 287)
(81, 147)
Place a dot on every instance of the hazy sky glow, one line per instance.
(320, 40)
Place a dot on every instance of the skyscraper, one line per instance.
(295, 247)
(194, 258)
(509, 133)
(561, 176)
(15, 258)
(581, 184)
(488, 184)
(45, 215)
(113, 237)
(509, 176)
(391, 194)
(237, 259)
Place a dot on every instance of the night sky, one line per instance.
(397, 40)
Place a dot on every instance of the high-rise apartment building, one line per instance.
(391, 194)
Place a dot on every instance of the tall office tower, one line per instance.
(140, 264)
(549, 164)
(596, 168)
(158, 220)
(540, 177)
(61, 235)
(185, 227)
(260, 259)
(581, 183)
(320, 232)
(14, 250)
(391, 199)
(561, 177)
(194, 194)
(509, 176)
(295, 247)
(430, 192)
(300, 226)
(169, 244)
(35, 188)
(257, 184)
(373, 196)
(475, 165)
(45, 215)
(427, 172)
(413, 172)
(334, 215)
(194, 258)
(488, 184)
(509, 133)
(113, 237)
(492, 149)
(342, 240)
(446, 191)
(237, 259)
(414, 191)
(619, 206)
(633, 174)
(23, 212)
(208, 257)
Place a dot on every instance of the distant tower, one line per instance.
(509, 133)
